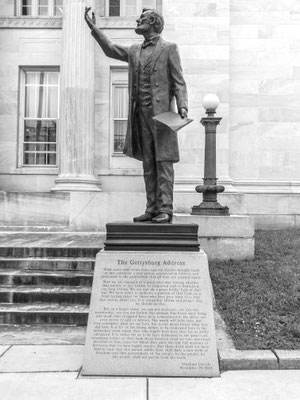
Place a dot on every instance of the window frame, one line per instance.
(21, 142)
(115, 85)
(139, 7)
(35, 10)
(118, 78)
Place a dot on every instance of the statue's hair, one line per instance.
(159, 22)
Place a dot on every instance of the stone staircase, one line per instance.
(47, 278)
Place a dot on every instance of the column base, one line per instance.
(76, 185)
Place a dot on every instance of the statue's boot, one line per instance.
(144, 217)
(162, 218)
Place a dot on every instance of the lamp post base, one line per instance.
(210, 208)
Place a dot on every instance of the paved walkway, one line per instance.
(42, 372)
(52, 372)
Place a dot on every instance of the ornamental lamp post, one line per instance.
(210, 189)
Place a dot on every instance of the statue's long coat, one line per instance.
(167, 83)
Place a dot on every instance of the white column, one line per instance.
(77, 133)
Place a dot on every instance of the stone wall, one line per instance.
(201, 30)
(265, 94)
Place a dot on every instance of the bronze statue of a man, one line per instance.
(155, 81)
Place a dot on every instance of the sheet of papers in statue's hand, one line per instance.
(172, 120)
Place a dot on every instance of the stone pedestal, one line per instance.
(76, 133)
(151, 314)
(223, 237)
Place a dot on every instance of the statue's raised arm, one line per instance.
(90, 21)
(110, 49)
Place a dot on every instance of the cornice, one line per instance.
(30, 23)
(56, 23)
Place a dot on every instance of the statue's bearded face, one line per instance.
(143, 24)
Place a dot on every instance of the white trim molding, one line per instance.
(31, 23)
(267, 186)
(188, 185)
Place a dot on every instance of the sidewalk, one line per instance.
(53, 372)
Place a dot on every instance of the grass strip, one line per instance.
(259, 300)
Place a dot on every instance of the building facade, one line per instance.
(63, 109)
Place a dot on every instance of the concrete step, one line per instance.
(38, 334)
(48, 264)
(44, 278)
(19, 314)
(28, 251)
(46, 294)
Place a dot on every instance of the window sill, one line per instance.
(31, 22)
(37, 16)
(35, 171)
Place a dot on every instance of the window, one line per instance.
(119, 107)
(58, 8)
(39, 117)
(129, 8)
(120, 114)
(26, 7)
(40, 8)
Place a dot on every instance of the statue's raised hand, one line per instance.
(90, 21)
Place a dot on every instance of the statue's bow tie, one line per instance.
(148, 43)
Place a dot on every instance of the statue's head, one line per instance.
(149, 21)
